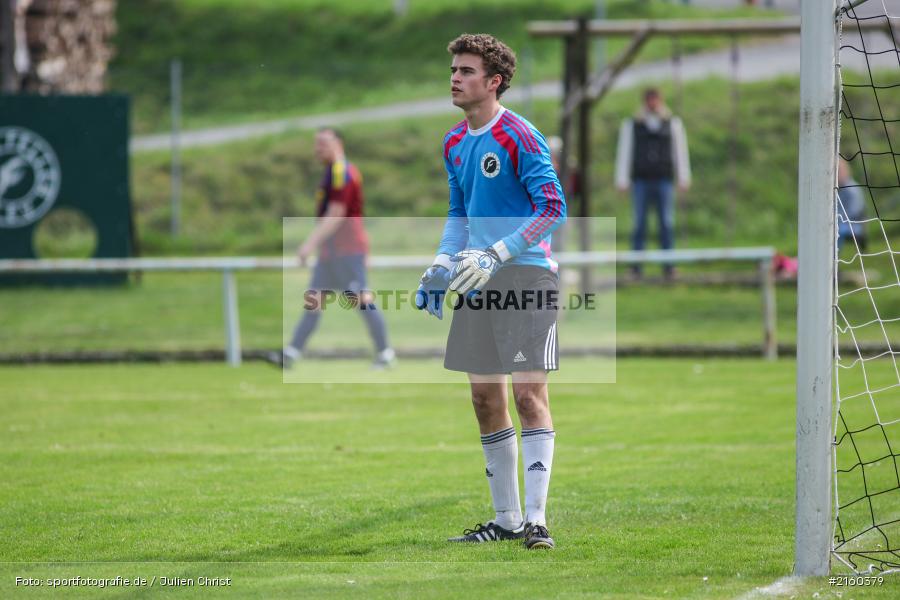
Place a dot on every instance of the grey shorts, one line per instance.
(509, 326)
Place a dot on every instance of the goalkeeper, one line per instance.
(505, 200)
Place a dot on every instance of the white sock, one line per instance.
(501, 455)
(537, 458)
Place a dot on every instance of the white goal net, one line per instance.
(867, 307)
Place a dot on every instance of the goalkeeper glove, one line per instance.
(433, 287)
(473, 269)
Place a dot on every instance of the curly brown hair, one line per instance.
(497, 57)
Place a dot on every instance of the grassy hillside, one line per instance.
(236, 195)
(246, 60)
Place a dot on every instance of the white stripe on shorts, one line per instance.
(549, 354)
(553, 349)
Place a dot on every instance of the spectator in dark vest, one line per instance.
(652, 156)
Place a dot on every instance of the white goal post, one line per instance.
(848, 320)
(815, 289)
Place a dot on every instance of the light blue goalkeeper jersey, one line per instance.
(504, 191)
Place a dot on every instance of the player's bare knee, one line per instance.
(481, 401)
(531, 403)
(485, 402)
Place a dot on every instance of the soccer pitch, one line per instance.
(677, 481)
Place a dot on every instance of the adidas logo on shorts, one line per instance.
(519, 357)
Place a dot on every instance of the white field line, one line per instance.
(778, 588)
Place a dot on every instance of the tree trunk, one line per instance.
(9, 80)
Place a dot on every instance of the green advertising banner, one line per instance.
(64, 190)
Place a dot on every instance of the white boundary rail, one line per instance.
(229, 265)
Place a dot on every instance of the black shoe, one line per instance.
(537, 536)
(491, 532)
(635, 273)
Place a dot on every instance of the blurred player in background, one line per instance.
(505, 200)
(342, 245)
(851, 209)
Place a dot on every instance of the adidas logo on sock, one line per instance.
(488, 473)
(519, 357)
(538, 466)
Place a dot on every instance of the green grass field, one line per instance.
(675, 482)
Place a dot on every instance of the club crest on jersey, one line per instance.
(490, 165)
